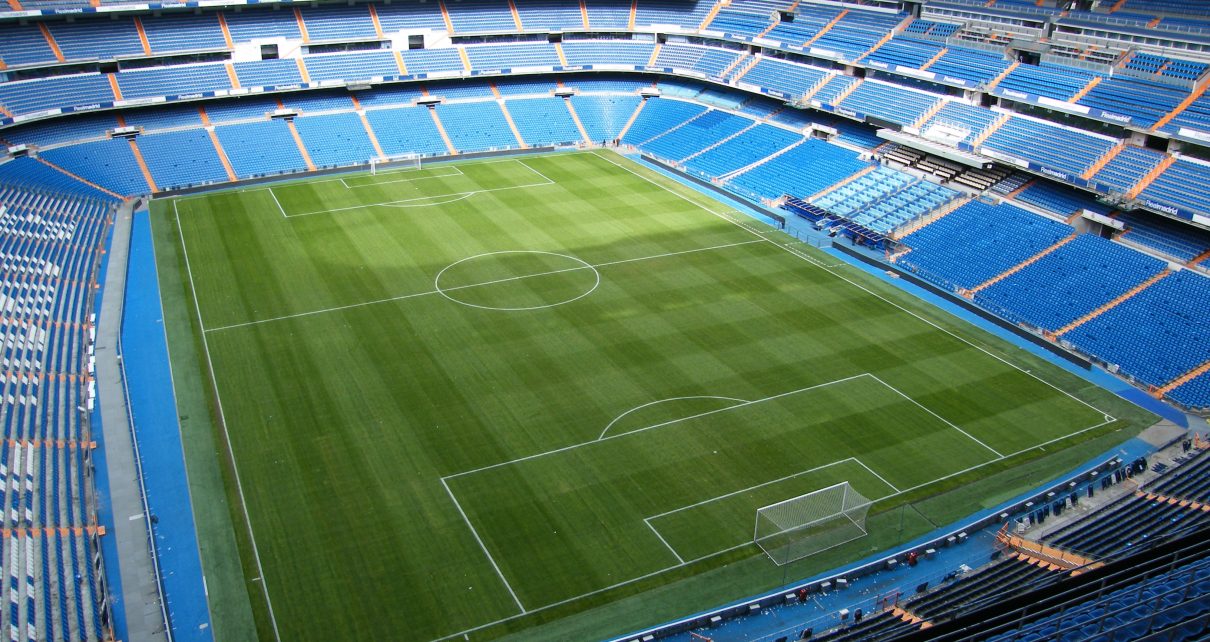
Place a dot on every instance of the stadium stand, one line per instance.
(1136, 518)
(108, 163)
(246, 26)
(803, 171)
(477, 126)
(24, 45)
(884, 199)
(337, 23)
(32, 96)
(52, 230)
(1164, 235)
(472, 16)
(268, 73)
(1137, 335)
(246, 108)
(604, 116)
(171, 81)
(1073, 151)
(1177, 186)
(84, 41)
(1069, 282)
(182, 159)
(1027, 268)
(177, 32)
(351, 66)
(261, 148)
(66, 130)
(607, 14)
(405, 131)
(1049, 80)
(548, 14)
(1125, 97)
(741, 151)
(1063, 201)
(489, 57)
(658, 116)
(977, 242)
(335, 140)
(889, 102)
(695, 135)
(787, 78)
(1128, 167)
(543, 121)
(609, 52)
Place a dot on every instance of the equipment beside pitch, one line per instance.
(811, 523)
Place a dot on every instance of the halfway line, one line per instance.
(476, 285)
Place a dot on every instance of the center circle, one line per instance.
(517, 280)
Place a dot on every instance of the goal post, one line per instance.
(811, 523)
(397, 161)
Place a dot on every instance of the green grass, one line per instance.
(455, 396)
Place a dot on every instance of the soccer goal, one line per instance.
(398, 161)
(808, 524)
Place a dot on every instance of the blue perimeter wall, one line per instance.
(153, 408)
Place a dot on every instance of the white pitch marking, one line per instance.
(419, 198)
(584, 265)
(239, 486)
(745, 544)
(475, 285)
(659, 401)
(761, 485)
(271, 193)
(875, 473)
(454, 199)
(653, 426)
(544, 176)
(943, 419)
(657, 534)
(345, 180)
(484, 547)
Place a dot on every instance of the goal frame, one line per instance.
(412, 161)
(851, 503)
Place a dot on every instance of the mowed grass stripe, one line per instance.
(343, 423)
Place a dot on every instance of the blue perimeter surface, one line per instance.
(109, 546)
(153, 408)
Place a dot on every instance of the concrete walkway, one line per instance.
(140, 591)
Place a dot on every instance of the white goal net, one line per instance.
(808, 524)
(397, 162)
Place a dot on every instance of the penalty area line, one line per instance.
(484, 547)
(403, 201)
(647, 521)
(937, 416)
(673, 567)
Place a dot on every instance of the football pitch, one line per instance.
(475, 397)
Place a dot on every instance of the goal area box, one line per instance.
(811, 523)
